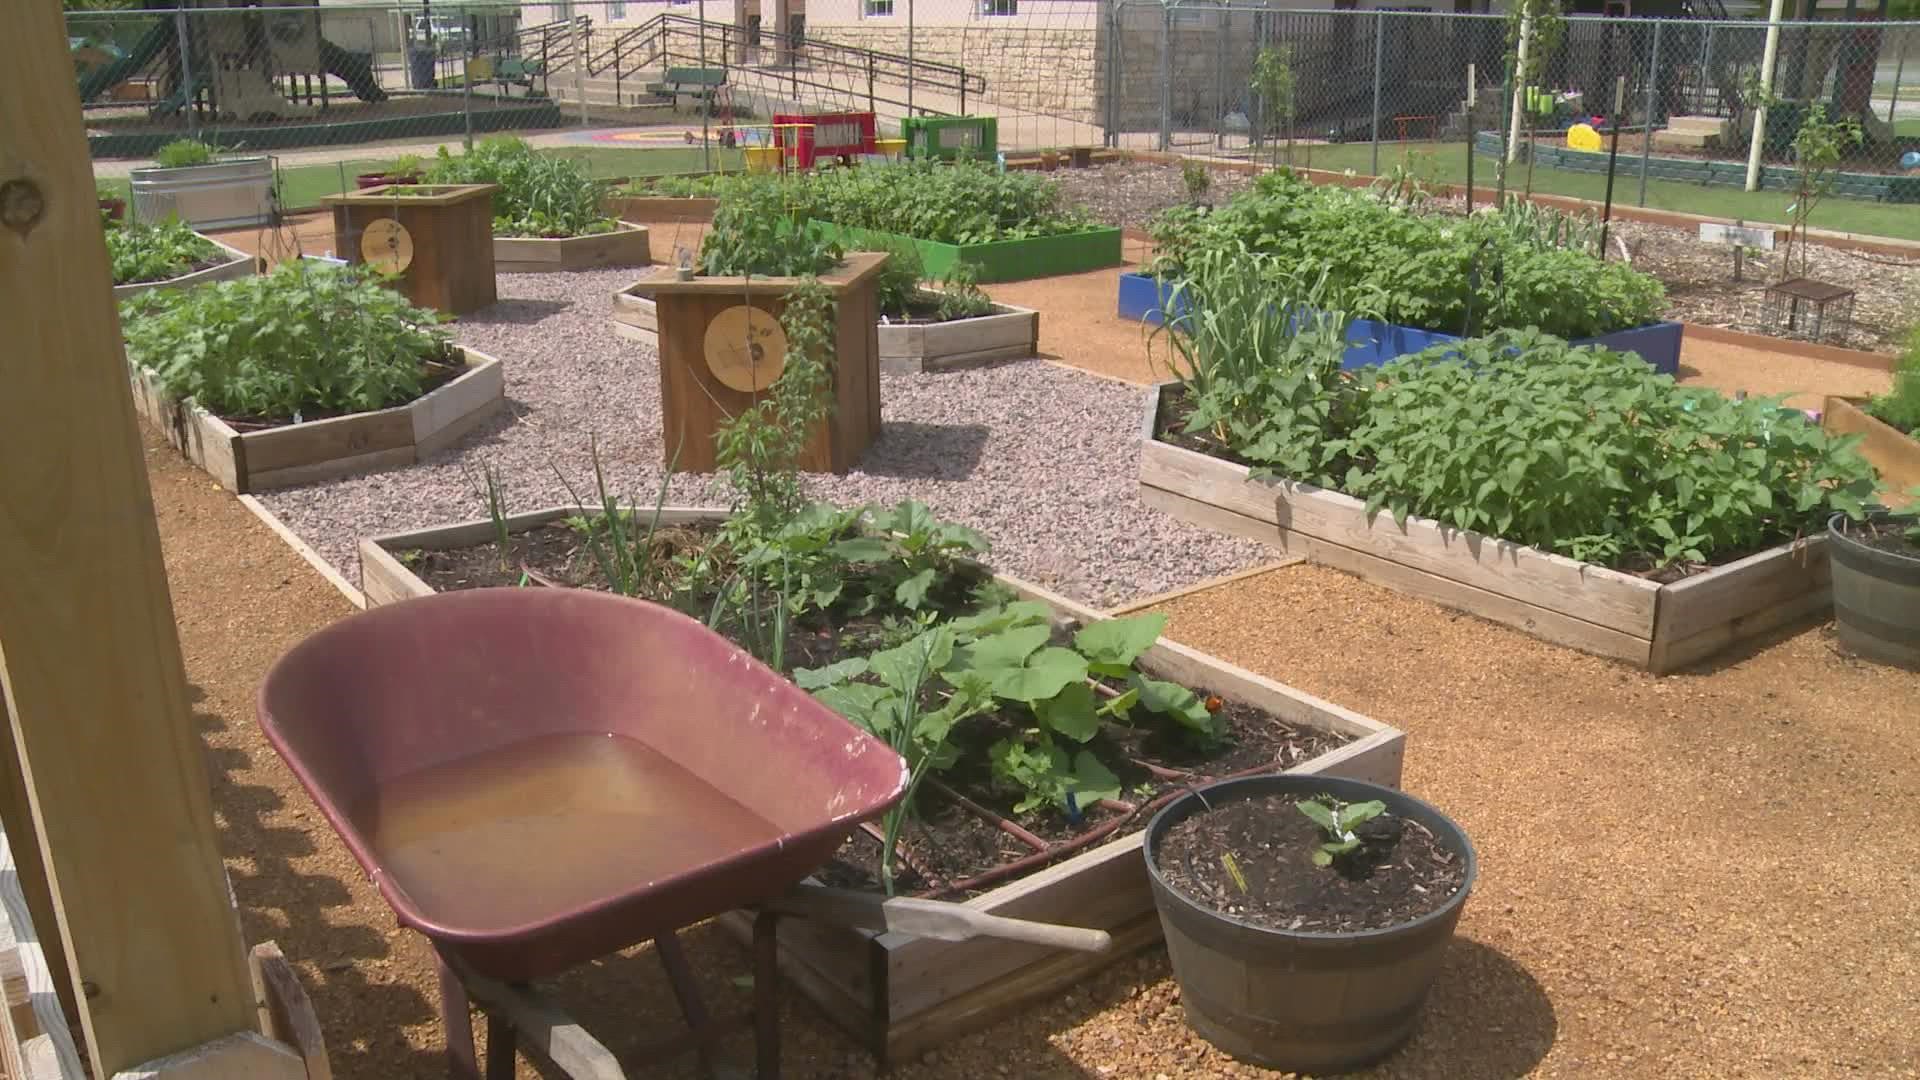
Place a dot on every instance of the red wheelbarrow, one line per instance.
(535, 778)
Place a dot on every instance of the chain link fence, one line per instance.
(652, 87)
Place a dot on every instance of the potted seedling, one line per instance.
(111, 203)
(189, 181)
(1306, 916)
(1876, 584)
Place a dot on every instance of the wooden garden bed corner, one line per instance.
(902, 995)
(1893, 452)
(1562, 600)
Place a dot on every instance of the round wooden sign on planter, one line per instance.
(700, 321)
(448, 228)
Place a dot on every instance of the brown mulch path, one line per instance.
(1677, 874)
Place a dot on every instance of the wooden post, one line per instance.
(89, 660)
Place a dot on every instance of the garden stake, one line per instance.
(1613, 155)
(1473, 133)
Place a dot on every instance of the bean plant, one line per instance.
(141, 252)
(302, 342)
(540, 194)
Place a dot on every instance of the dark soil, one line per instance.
(1174, 408)
(1397, 875)
(947, 843)
(925, 309)
(1887, 537)
(439, 372)
(182, 269)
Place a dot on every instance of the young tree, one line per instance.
(1273, 81)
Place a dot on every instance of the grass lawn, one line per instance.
(1447, 162)
(303, 186)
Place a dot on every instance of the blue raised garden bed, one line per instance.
(1144, 298)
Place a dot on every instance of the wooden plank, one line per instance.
(930, 919)
(326, 442)
(1536, 578)
(660, 209)
(627, 245)
(303, 549)
(1134, 607)
(858, 267)
(995, 1001)
(1671, 654)
(114, 770)
(44, 1017)
(1895, 454)
(286, 1013)
(542, 1027)
(25, 890)
(1540, 622)
(1776, 576)
(247, 1055)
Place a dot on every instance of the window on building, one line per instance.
(616, 9)
(877, 9)
(999, 7)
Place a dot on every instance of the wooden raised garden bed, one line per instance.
(1011, 333)
(235, 264)
(443, 247)
(1591, 608)
(999, 260)
(695, 403)
(1145, 298)
(626, 245)
(660, 209)
(902, 995)
(249, 461)
(1893, 452)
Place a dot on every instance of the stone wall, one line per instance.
(1051, 72)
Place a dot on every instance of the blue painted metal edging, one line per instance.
(1144, 299)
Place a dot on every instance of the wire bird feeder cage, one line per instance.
(1811, 308)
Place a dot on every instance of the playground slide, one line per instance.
(353, 69)
(107, 76)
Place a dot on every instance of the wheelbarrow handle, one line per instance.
(940, 919)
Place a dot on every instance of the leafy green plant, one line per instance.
(759, 230)
(897, 285)
(622, 548)
(1273, 81)
(760, 448)
(407, 166)
(908, 550)
(959, 203)
(492, 492)
(702, 186)
(1900, 405)
(181, 153)
(540, 194)
(1337, 820)
(1197, 180)
(303, 342)
(1818, 147)
(141, 252)
(960, 295)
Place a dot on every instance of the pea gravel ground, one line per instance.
(1041, 458)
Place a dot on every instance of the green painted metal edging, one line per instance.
(542, 114)
(1000, 260)
(1875, 186)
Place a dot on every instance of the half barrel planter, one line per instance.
(1893, 452)
(998, 260)
(1587, 607)
(626, 245)
(899, 995)
(249, 461)
(1145, 298)
(234, 264)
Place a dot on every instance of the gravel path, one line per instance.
(1040, 458)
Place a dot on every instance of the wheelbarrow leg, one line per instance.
(457, 1023)
(687, 992)
(500, 1040)
(766, 997)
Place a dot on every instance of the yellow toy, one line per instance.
(1583, 137)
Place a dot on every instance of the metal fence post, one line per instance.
(1225, 16)
(1113, 67)
(182, 31)
(1899, 71)
(1166, 77)
(1379, 53)
(963, 63)
(1646, 130)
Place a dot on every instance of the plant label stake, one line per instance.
(1613, 155)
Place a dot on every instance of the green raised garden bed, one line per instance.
(999, 260)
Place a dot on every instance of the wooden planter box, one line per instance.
(245, 462)
(1588, 607)
(238, 264)
(1010, 333)
(451, 229)
(902, 995)
(999, 260)
(694, 404)
(1893, 452)
(660, 209)
(625, 246)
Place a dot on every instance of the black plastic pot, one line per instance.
(1876, 594)
(1303, 1002)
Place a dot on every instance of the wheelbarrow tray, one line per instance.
(363, 707)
